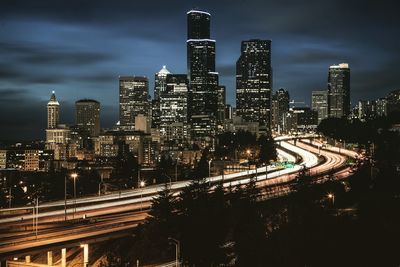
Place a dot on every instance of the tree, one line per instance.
(267, 149)
(151, 241)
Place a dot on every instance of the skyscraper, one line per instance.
(173, 111)
(279, 107)
(133, 100)
(203, 80)
(87, 116)
(160, 83)
(53, 112)
(339, 90)
(393, 101)
(319, 103)
(254, 82)
(221, 108)
(159, 87)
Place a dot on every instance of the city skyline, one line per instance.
(81, 54)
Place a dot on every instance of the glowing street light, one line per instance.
(331, 196)
(248, 152)
(209, 168)
(74, 176)
(141, 184)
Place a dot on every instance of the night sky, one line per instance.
(79, 48)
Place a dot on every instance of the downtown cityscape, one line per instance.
(245, 163)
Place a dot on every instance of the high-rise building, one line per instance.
(393, 102)
(58, 140)
(142, 123)
(366, 110)
(87, 116)
(133, 100)
(319, 103)
(160, 82)
(254, 82)
(221, 108)
(381, 107)
(159, 87)
(174, 111)
(279, 107)
(339, 90)
(53, 112)
(203, 80)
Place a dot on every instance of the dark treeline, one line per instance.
(235, 227)
(369, 134)
(244, 144)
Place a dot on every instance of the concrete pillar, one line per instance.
(64, 257)
(28, 259)
(85, 254)
(50, 258)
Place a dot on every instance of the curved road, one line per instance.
(117, 212)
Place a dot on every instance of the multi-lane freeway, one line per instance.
(120, 211)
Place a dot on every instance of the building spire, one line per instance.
(53, 98)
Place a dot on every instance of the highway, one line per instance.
(122, 211)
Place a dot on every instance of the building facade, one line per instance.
(160, 85)
(174, 127)
(133, 100)
(339, 90)
(203, 80)
(279, 108)
(53, 112)
(87, 116)
(393, 102)
(254, 82)
(319, 103)
(221, 105)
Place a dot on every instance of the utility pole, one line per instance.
(177, 250)
(65, 197)
(176, 170)
(37, 215)
(9, 197)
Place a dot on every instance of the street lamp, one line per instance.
(141, 184)
(209, 168)
(177, 249)
(331, 196)
(138, 176)
(248, 152)
(74, 176)
(65, 197)
(176, 170)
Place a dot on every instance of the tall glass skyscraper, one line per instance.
(319, 102)
(87, 115)
(254, 82)
(339, 90)
(203, 80)
(160, 86)
(133, 100)
(279, 108)
(173, 112)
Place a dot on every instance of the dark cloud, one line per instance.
(23, 115)
(35, 53)
(7, 72)
(80, 47)
(313, 56)
(99, 77)
(382, 79)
